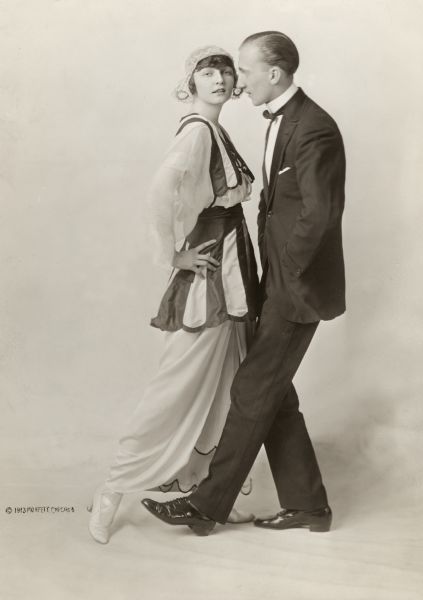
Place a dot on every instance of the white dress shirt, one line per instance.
(273, 107)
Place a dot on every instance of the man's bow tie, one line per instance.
(272, 116)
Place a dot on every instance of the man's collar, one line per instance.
(277, 103)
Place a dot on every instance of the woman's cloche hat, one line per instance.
(182, 91)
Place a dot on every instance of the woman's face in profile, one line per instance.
(214, 85)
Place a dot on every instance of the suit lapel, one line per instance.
(291, 117)
(265, 184)
(265, 178)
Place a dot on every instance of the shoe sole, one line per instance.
(311, 528)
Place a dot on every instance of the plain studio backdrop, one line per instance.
(86, 116)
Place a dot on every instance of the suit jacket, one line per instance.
(300, 211)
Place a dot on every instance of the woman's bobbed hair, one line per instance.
(218, 61)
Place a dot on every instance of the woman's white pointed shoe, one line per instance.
(105, 505)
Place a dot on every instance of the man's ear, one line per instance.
(275, 75)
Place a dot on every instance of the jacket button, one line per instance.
(270, 213)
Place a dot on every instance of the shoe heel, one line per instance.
(203, 528)
(320, 527)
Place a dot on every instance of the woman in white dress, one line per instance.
(210, 304)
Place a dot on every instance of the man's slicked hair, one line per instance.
(277, 49)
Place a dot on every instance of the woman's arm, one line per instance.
(175, 199)
(162, 196)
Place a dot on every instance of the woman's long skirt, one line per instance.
(170, 440)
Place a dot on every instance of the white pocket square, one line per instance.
(284, 170)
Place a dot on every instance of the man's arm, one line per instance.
(320, 164)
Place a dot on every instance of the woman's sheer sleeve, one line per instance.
(179, 191)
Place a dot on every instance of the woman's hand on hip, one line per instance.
(194, 260)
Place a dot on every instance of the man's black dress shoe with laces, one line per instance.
(314, 520)
(180, 512)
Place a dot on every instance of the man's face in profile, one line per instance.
(254, 74)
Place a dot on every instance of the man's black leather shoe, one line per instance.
(180, 512)
(314, 520)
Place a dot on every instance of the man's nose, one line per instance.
(241, 81)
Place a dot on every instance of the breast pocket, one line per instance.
(286, 180)
(285, 170)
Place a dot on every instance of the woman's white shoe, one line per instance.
(105, 505)
(240, 516)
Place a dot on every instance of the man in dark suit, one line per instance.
(300, 241)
